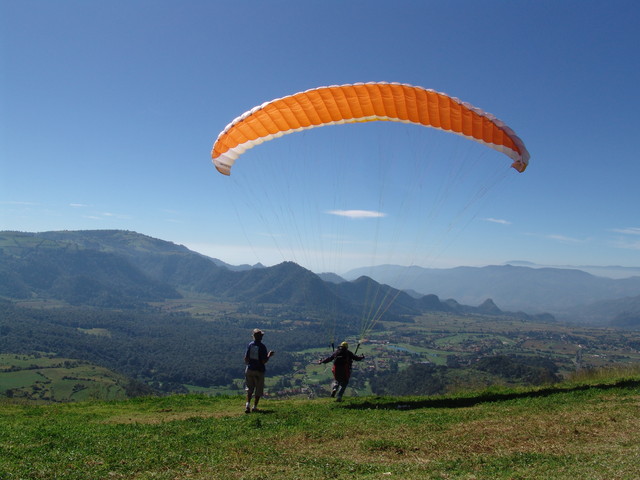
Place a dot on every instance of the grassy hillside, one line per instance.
(47, 378)
(587, 430)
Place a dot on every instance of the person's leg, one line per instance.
(251, 386)
(259, 376)
(334, 388)
(342, 387)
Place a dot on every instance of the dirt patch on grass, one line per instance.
(166, 415)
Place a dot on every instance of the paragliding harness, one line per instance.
(342, 364)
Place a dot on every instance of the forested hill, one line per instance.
(114, 268)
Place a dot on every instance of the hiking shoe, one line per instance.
(247, 410)
(255, 409)
(333, 393)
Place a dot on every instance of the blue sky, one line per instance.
(109, 111)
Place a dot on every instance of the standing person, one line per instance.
(255, 358)
(342, 360)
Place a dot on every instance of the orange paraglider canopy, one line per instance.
(364, 102)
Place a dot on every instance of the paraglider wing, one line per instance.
(364, 102)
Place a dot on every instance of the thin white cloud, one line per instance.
(562, 238)
(357, 213)
(497, 220)
(78, 205)
(14, 202)
(108, 215)
(627, 231)
(557, 238)
(624, 241)
(116, 215)
(627, 245)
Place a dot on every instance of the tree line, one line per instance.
(160, 348)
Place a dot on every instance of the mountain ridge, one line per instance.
(143, 269)
(123, 268)
(562, 292)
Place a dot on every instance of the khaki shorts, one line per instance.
(255, 381)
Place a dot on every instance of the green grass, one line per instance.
(587, 429)
(604, 374)
(47, 378)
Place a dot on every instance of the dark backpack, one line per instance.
(342, 358)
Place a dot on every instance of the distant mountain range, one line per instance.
(123, 269)
(567, 293)
(607, 271)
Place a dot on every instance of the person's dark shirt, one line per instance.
(342, 357)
